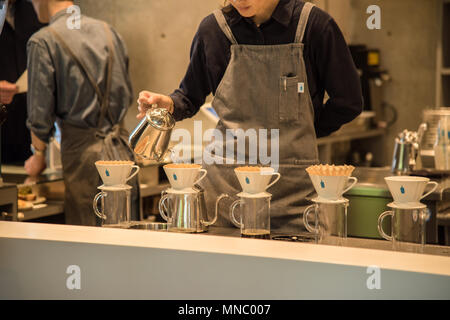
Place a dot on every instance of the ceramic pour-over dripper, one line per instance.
(184, 176)
(254, 180)
(407, 190)
(116, 172)
(330, 182)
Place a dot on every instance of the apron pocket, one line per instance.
(289, 99)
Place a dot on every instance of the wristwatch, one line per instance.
(36, 151)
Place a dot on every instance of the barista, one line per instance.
(268, 64)
(84, 85)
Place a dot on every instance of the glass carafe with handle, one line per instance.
(330, 221)
(254, 219)
(115, 206)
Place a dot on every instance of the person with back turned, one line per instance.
(79, 78)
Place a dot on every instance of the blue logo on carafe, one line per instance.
(175, 177)
(402, 190)
(107, 173)
(247, 180)
(322, 184)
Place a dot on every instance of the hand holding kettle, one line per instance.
(150, 139)
(148, 100)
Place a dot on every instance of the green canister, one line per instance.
(366, 203)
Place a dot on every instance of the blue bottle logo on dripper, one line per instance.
(107, 173)
(402, 190)
(322, 184)
(175, 177)
(247, 180)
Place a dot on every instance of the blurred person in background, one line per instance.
(82, 84)
(21, 22)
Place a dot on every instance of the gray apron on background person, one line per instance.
(82, 147)
(266, 87)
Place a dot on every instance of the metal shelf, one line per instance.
(325, 144)
(350, 136)
(52, 208)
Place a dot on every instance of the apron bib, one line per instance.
(265, 88)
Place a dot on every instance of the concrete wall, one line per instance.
(408, 39)
(159, 34)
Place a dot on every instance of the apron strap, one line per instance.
(104, 99)
(78, 61)
(303, 21)
(224, 26)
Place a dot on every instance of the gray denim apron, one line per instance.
(266, 87)
(82, 147)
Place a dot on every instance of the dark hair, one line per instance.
(227, 7)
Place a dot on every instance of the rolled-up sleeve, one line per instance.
(41, 91)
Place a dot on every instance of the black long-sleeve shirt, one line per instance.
(16, 140)
(329, 64)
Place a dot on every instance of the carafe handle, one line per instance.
(216, 214)
(95, 205)
(305, 219)
(162, 195)
(233, 219)
(380, 224)
(162, 207)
